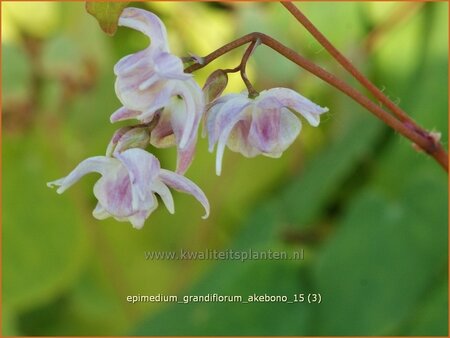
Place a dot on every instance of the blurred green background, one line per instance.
(369, 211)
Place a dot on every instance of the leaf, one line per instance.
(231, 277)
(382, 259)
(107, 14)
(304, 199)
(432, 317)
(44, 245)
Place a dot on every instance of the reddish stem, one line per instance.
(408, 130)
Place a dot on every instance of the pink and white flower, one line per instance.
(265, 125)
(152, 84)
(129, 182)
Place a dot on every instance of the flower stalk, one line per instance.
(405, 126)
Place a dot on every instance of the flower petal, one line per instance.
(161, 189)
(100, 213)
(170, 66)
(124, 114)
(265, 126)
(99, 164)
(113, 192)
(238, 139)
(214, 115)
(227, 121)
(185, 157)
(181, 183)
(147, 23)
(130, 63)
(142, 169)
(293, 100)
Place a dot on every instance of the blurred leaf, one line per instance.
(16, 73)
(432, 317)
(382, 259)
(304, 199)
(244, 279)
(44, 242)
(9, 327)
(107, 14)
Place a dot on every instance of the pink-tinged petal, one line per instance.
(142, 168)
(181, 183)
(128, 93)
(99, 164)
(265, 126)
(170, 66)
(100, 213)
(147, 23)
(165, 194)
(293, 100)
(137, 220)
(124, 114)
(185, 157)
(155, 98)
(290, 129)
(185, 118)
(227, 123)
(238, 139)
(221, 113)
(132, 62)
(113, 192)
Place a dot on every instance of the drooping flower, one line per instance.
(264, 125)
(129, 182)
(152, 84)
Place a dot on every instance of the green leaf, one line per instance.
(303, 200)
(380, 262)
(107, 14)
(44, 244)
(231, 277)
(432, 317)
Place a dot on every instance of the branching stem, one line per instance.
(403, 124)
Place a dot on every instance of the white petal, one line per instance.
(214, 115)
(148, 23)
(165, 194)
(189, 113)
(170, 66)
(100, 213)
(113, 192)
(293, 100)
(124, 114)
(138, 219)
(181, 183)
(131, 62)
(99, 164)
(142, 169)
(265, 128)
(185, 157)
(228, 121)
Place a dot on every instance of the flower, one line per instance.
(265, 125)
(151, 84)
(126, 190)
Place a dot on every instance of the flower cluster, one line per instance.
(169, 106)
